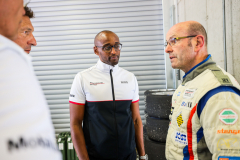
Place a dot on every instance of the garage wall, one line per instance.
(210, 14)
(65, 32)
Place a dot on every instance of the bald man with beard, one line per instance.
(205, 107)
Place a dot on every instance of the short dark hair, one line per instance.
(28, 12)
(196, 29)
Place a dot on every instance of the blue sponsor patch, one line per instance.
(186, 105)
(179, 93)
(183, 104)
(228, 158)
(181, 138)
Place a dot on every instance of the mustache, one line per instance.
(113, 56)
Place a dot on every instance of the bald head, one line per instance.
(193, 28)
(186, 45)
(103, 35)
(107, 47)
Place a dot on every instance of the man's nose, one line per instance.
(113, 50)
(32, 41)
(168, 48)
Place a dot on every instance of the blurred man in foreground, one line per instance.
(25, 38)
(26, 130)
(205, 107)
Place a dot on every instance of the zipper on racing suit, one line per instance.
(114, 105)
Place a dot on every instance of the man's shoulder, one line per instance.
(86, 71)
(224, 78)
(214, 73)
(6, 44)
(4, 47)
(9, 49)
(125, 71)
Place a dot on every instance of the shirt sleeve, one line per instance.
(221, 125)
(136, 93)
(77, 95)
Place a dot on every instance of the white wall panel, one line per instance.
(83, 29)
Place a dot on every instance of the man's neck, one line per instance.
(201, 56)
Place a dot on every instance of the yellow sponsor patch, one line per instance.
(179, 119)
(227, 145)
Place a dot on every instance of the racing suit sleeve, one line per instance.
(220, 122)
(77, 95)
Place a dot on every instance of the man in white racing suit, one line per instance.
(204, 121)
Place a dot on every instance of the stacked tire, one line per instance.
(158, 108)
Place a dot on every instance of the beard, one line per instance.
(113, 62)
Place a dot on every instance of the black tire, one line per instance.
(154, 150)
(147, 92)
(157, 128)
(158, 104)
(144, 130)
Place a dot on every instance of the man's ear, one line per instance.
(199, 43)
(95, 49)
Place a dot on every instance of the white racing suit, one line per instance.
(204, 122)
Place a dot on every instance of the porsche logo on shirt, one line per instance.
(179, 119)
(96, 83)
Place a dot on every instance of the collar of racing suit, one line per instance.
(105, 67)
(208, 63)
